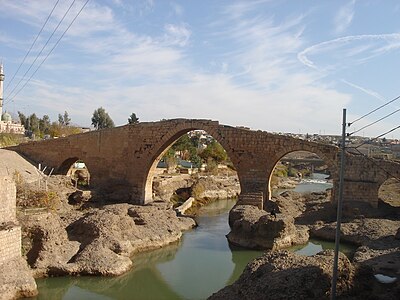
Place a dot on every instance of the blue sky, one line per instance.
(281, 66)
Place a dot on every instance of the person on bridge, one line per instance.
(273, 213)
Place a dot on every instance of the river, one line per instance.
(197, 266)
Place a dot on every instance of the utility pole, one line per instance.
(339, 207)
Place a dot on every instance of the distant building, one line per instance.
(7, 124)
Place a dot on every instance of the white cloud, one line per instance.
(344, 17)
(260, 83)
(177, 34)
(365, 90)
(349, 50)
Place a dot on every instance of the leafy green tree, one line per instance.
(44, 124)
(183, 143)
(195, 159)
(101, 119)
(133, 119)
(22, 119)
(215, 151)
(170, 159)
(66, 119)
(33, 123)
(60, 119)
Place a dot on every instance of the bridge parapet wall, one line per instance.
(10, 232)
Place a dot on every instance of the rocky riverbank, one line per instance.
(284, 275)
(98, 241)
(375, 231)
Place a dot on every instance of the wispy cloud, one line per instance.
(254, 77)
(365, 90)
(177, 34)
(349, 50)
(344, 17)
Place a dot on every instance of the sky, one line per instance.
(279, 66)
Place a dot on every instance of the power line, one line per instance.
(55, 45)
(37, 56)
(370, 124)
(29, 51)
(376, 109)
(377, 137)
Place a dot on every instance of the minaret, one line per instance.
(1, 89)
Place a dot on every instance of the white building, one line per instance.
(7, 124)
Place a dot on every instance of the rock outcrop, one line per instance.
(211, 187)
(285, 275)
(379, 249)
(257, 229)
(216, 187)
(100, 241)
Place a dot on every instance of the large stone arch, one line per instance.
(167, 140)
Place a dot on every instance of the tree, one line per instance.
(66, 119)
(33, 123)
(133, 119)
(22, 119)
(101, 119)
(44, 124)
(215, 151)
(60, 119)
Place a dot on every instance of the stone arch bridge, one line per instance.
(124, 158)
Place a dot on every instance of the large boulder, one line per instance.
(256, 229)
(285, 275)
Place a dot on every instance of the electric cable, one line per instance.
(44, 46)
(376, 109)
(375, 138)
(29, 51)
(370, 124)
(55, 45)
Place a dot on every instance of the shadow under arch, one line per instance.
(331, 165)
(65, 166)
(163, 146)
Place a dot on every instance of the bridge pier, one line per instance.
(357, 191)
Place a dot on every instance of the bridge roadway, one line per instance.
(122, 160)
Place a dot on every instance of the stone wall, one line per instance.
(8, 201)
(10, 232)
(10, 243)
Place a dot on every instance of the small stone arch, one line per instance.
(83, 179)
(165, 143)
(332, 164)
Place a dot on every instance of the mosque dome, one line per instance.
(6, 117)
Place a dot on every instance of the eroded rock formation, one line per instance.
(285, 275)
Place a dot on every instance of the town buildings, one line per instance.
(7, 124)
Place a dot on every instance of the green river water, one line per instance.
(197, 266)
